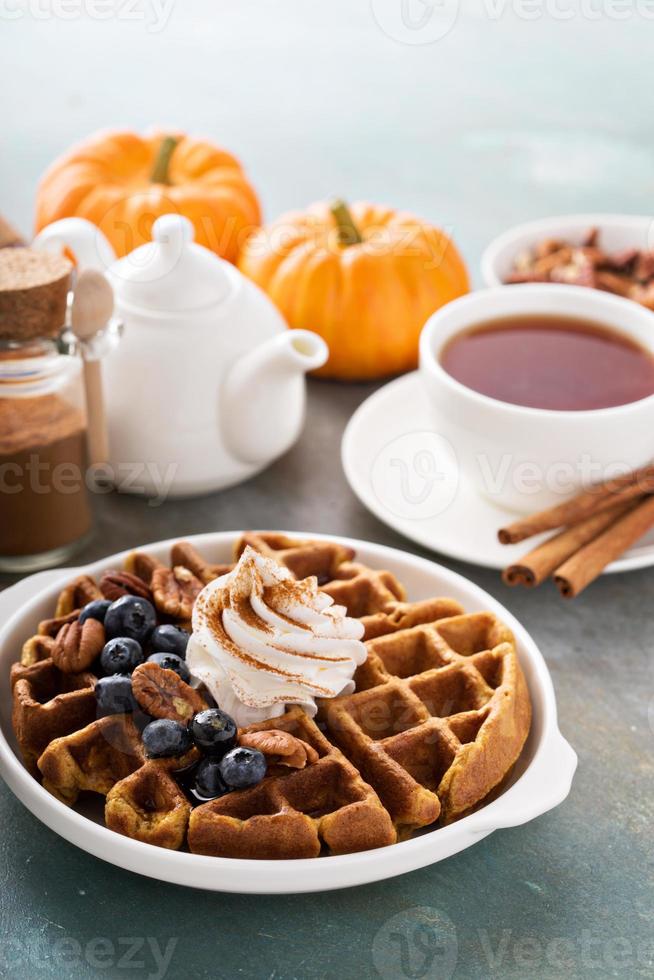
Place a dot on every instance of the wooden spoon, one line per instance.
(93, 306)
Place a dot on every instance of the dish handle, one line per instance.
(543, 786)
(13, 597)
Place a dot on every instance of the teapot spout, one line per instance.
(264, 395)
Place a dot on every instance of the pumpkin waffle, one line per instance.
(302, 557)
(143, 800)
(92, 759)
(149, 806)
(326, 805)
(46, 704)
(377, 598)
(439, 717)
(49, 702)
(379, 601)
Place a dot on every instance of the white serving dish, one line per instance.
(540, 781)
(617, 232)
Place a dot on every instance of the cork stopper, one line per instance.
(33, 293)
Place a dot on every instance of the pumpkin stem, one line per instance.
(348, 233)
(162, 163)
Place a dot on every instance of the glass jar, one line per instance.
(44, 505)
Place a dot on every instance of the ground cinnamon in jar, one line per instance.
(44, 507)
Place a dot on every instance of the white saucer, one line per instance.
(408, 477)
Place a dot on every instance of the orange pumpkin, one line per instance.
(122, 182)
(366, 279)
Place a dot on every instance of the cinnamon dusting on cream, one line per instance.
(262, 640)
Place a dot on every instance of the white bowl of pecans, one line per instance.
(611, 252)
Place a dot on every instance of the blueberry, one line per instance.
(186, 781)
(95, 610)
(170, 661)
(130, 616)
(121, 655)
(243, 767)
(164, 737)
(170, 639)
(214, 732)
(208, 783)
(114, 695)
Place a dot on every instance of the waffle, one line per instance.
(49, 703)
(377, 598)
(439, 717)
(326, 805)
(182, 554)
(143, 800)
(302, 557)
(149, 806)
(46, 704)
(76, 595)
(379, 601)
(92, 759)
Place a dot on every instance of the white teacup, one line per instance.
(525, 459)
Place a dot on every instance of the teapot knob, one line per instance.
(171, 273)
(173, 231)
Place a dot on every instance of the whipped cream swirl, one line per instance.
(263, 640)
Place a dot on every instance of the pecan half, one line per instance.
(175, 591)
(163, 694)
(589, 264)
(644, 266)
(35, 649)
(611, 282)
(280, 748)
(50, 627)
(142, 565)
(183, 553)
(80, 591)
(115, 585)
(591, 238)
(77, 646)
(644, 295)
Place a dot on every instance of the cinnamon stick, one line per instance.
(619, 490)
(584, 566)
(539, 564)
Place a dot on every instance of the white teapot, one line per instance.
(207, 385)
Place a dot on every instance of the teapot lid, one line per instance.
(172, 274)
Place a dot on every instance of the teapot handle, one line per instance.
(88, 244)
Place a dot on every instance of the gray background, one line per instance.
(515, 112)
